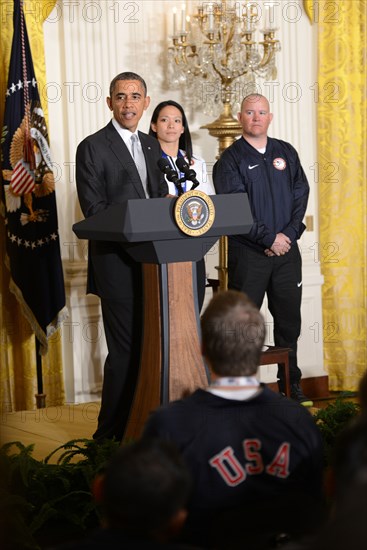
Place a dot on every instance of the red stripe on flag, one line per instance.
(22, 180)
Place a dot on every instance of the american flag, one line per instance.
(28, 193)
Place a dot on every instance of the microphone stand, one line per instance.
(189, 173)
(178, 185)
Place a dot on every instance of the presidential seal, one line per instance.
(194, 213)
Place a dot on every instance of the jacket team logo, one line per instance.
(279, 164)
(194, 213)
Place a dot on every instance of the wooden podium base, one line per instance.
(171, 362)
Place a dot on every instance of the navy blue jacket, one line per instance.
(276, 186)
(260, 460)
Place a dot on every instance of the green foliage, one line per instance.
(38, 497)
(332, 420)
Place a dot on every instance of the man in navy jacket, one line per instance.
(267, 260)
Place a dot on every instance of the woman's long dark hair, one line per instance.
(185, 139)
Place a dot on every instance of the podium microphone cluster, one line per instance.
(190, 174)
(171, 174)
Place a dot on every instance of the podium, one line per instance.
(171, 364)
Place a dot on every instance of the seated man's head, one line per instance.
(145, 490)
(233, 332)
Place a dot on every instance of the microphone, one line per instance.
(190, 174)
(166, 168)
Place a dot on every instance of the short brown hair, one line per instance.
(233, 333)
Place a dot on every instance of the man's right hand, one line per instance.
(281, 245)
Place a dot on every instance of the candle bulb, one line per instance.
(267, 18)
(174, 21)
(210, 17)
(211, 21)
(271, 17)
(183, 18)
(188, 25)
(249, 17)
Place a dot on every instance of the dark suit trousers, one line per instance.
(123, 329)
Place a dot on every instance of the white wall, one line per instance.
(87, 43)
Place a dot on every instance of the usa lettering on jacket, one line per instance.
(233, 472)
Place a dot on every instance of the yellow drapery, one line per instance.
(18, 379)
(309, 7)
(341, 110)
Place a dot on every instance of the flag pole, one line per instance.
(40, 396)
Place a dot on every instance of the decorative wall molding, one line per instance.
(84, 345)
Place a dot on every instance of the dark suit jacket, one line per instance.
(106, 174)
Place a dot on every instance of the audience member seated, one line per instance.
(362, 392)
(255, 455)
(347, 525)
(346, 488)
(143, 494)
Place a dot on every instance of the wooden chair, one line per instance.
(276, 354)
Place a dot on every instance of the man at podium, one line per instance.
(113, 165)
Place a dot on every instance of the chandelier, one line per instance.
(214, 55)
(215, 58)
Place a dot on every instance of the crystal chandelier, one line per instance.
(214, 55)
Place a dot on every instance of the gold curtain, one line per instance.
(309, 7)
(342, 146)
(18, 378)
